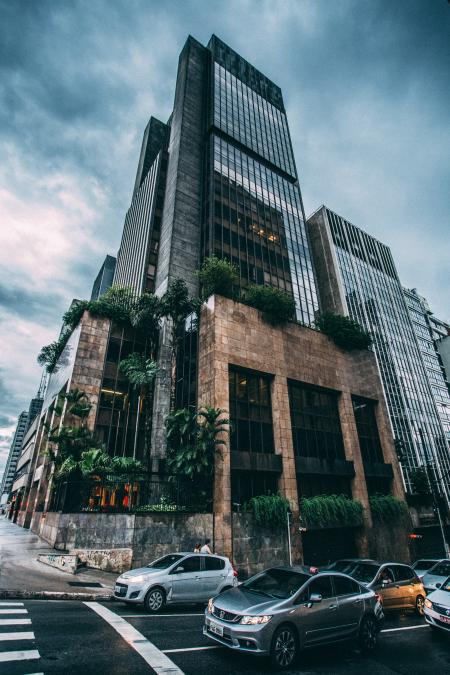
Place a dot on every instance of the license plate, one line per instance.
(445, 619)
(217, 630)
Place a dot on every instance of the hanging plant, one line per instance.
(387, 509)
(269, 510)
(344, 331)
(331, 511)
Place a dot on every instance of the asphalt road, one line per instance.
(75, 637)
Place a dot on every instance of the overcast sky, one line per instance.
(366, 87)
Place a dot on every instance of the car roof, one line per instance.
(204, 555)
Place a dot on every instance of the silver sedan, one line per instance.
(285, 609)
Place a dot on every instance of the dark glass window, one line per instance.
(212, 563)
(248, 484)
(316, 427)
(312, 485)
(366, 424)
(250, 412)
(403, 573)
(191, 564)
(322, 586)
(343, 586)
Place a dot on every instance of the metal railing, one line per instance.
(149, 494)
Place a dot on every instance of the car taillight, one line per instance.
(379, 598)
(235, 572)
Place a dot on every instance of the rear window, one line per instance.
(343, 565)
(214, 563)
(442, 569)
(424, 564)
(276, 583)
(364, 572)
(166, 561)
(343, 586)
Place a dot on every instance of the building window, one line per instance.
(246, 484)
(366, 424)
(313, 485)
(250, 412)
(316, 427)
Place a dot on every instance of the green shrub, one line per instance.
(387, 509)
(331, 511)
(50, 354)
(277, 307)
(218, 276)
(345, 332)
(269, 510)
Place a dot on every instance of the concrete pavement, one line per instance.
(21, 575)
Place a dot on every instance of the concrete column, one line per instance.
(353, 454)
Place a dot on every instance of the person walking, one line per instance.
(197, 547)
(205, 548)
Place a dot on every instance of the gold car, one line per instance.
(398, 585)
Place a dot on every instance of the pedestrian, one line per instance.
(197, 547)
(205, 548)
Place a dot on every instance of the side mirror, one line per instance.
(178, 570)
(438, 585)
(384, 582)
(314, 598)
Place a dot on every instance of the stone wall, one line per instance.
(256, 548)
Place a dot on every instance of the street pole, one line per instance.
(288, 515)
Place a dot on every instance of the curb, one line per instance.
(55, 595)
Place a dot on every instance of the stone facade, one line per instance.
(234, 334)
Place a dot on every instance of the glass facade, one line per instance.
(250, 412)
(253, 207)
(375, 299)
(366, 425)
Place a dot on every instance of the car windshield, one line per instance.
(446, 585)
(364, 572)
(165, 562)
(424, 564)
(442, 569)
(276, 583)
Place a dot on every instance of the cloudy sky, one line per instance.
(365, 84)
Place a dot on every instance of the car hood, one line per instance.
(430, 580)
(441, 597)
(140, 570)
(240, 601)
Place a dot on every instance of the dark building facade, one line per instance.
(104, 278)
(16, 446)
(358, 277)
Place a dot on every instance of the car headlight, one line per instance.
(428, 603)
(210, 605)
(253, 620)
(138, 580)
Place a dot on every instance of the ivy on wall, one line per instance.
(387, 509)
(331, 511)
(269, 510)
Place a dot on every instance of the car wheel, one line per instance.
(420, 604)
(154, 600)
(368, 634)
(284, 648)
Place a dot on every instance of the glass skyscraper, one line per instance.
(357, 276)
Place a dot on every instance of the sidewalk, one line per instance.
(21, 575)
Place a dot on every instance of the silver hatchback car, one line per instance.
(285, 609)
(177, 578)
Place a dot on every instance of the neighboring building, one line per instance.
(16, 446)
(430, 332)
(357, 277)
(104, 278)
(307, 418)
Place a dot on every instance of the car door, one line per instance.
(405, 580)
(213, 575)
(318, 622)
(384, 584)
(350, 604)
(185, 578)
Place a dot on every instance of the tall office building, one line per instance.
(104, 277)
(16, 446)
(357, 277)
(430, 332)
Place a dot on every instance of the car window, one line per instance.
(321, 585)
(442, 569)
(276, 583)
(364, 572)
(424, 564)
(343, 565)
(403, 573)
(387, 575)
(446, 585)
(165, 562)
(343, 586)
(191, 564)
(212, 563)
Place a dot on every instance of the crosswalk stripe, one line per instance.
(23, 635)
(15, 622)
(13, 611)
(20, 656)
(11, 604)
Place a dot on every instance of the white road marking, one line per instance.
(17, 636)
(15, 622)
(192, 649)
(391, 630)
(20, 656)
(13, 611)
(11, 604)
(152, 616)
(151, 654)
